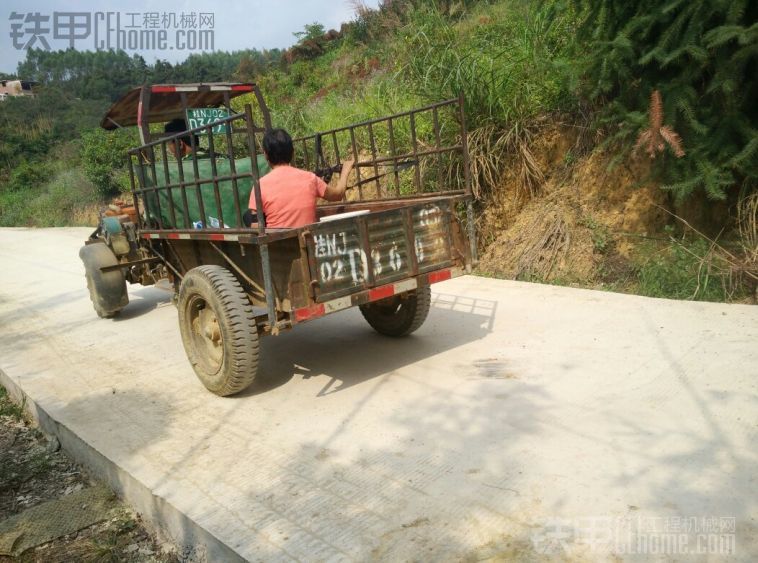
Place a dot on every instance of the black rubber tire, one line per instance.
(107, 290)
(218, 329)
(399, 315)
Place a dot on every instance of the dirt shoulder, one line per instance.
(36, 474)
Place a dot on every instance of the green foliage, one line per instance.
(311, 31)
(32, 127)
(57, 203)
(104, 159)
(505, 58)
(508, 59)
(681, 271)
(85, 74)
(8, 407)
(598, 233)
(107, 75)
(27, 175)
(702, 55)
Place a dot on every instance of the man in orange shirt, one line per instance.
(288, 193)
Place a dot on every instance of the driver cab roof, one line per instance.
(166, 101)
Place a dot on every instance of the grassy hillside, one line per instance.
(594, 164)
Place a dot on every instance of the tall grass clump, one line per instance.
(696, 266)
(747, 221)
(507, 59)
(689, 268)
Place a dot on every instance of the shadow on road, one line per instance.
(144, 300)
(309, 350)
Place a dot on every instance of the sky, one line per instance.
(236, 24)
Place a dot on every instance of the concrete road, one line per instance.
(520, 420)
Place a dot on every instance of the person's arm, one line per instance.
(336, 193)
(251, 216)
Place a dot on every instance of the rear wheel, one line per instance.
(400, 314)
(107, 290)
(218, 329)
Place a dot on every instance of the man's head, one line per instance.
(277, 145)
(175, 126)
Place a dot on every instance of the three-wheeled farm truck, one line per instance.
(406, 223)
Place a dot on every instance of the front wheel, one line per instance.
(399, 315)
(107, 290)
(218, 329)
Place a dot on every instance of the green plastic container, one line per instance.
(226, 218)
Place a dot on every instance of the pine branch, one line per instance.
(655, 138)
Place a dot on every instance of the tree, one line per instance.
(311, 31)
(104, 159)
(702, 55)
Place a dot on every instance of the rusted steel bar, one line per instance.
(365, 243)
(196, 173)
(396, 175)
(214, 174)
(166, 262)
(182, 185)
(202, 181)
(167, 176)
(233, 169)
(336, 148)
(410, 156)
(237, 269)
(268, 285)
(307, 241)
(372, 144)
(194, 131)
(384, 159)
(182, 265)
(264, 108)
(306, 158)
(423, 195)
(355, 156)
(133, 185)
(414, 141)
(154, 177)
(464, 143)
(143, 110)
(251, 145)
(467, 179)
(115, 267)
(438, 144)
(410, 239)
(449, 102)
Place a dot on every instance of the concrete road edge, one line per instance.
(193, 542)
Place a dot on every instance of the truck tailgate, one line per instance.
(361, 252)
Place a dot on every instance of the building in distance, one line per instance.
(16, 88)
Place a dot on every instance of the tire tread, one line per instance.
(237, 313)
(407, 319)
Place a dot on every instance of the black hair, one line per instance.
(177, 126)
(278, 146)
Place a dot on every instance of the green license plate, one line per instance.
(201, 117)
